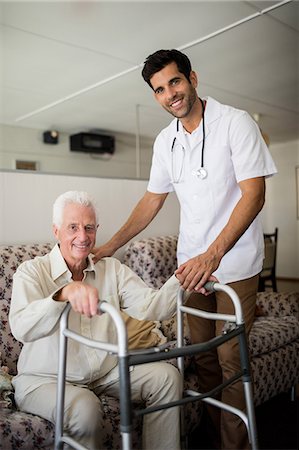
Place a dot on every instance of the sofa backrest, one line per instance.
(153, 259)
(11, 256)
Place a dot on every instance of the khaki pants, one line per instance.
(154, 383)
(219, 364)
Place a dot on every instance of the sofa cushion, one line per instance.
(20, 430)
(275, 372)
(271, 333)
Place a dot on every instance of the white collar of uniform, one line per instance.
(212, 110)
(59, 266)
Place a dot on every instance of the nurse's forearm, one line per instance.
(144, 212)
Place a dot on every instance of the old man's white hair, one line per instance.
(76, 197)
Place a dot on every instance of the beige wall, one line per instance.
(280, 210)
(26, 201)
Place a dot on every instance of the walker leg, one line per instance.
(252, 432)
(247, 384)
(60, 391)
(125, 403)
(180, 362)
(126, 441)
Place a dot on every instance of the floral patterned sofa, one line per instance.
(19, 430)
(274, 337)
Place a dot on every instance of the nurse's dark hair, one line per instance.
(160, 59)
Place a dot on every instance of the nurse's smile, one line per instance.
(176, 104)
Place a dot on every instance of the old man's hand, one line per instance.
(83, 298)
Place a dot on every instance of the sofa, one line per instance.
(273, 345)
(19, 430)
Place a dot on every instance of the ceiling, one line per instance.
(75, 66)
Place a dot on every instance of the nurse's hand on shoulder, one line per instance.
(101, 252)
(197, 271)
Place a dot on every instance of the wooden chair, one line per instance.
(268, 275)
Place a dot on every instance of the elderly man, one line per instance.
(42, 287)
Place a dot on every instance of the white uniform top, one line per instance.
(234, 151)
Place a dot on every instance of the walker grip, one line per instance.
(209, 286)
(101, 306)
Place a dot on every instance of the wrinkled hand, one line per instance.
(195, 272)
(83, 298)
(101, 252)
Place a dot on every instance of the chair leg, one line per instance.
(261, 286)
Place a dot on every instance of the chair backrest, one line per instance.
(270, 250)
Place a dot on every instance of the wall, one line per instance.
(21, 221)
(26, 201)
(18, 143)
(280, 210)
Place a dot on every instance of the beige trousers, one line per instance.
(215, 366)
(154, 383)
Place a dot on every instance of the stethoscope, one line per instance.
(201, 172)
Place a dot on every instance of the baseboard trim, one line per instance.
(295, 280)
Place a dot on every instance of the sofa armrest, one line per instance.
(278, 304)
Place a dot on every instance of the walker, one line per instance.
(235, 328)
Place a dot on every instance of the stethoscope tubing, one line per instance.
(202, 173)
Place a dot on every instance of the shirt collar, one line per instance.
(60, 268)
(212, 110)
(212, 113)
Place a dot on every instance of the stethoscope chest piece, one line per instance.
(201, 173)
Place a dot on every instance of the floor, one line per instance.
(276, 422)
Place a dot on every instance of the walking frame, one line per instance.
(234, 327)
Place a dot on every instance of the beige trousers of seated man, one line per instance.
(154, 383)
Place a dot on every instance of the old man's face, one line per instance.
(77, 234)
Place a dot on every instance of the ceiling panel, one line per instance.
(58, 49)
(124, 30)
(267, 75)
(42, 65)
